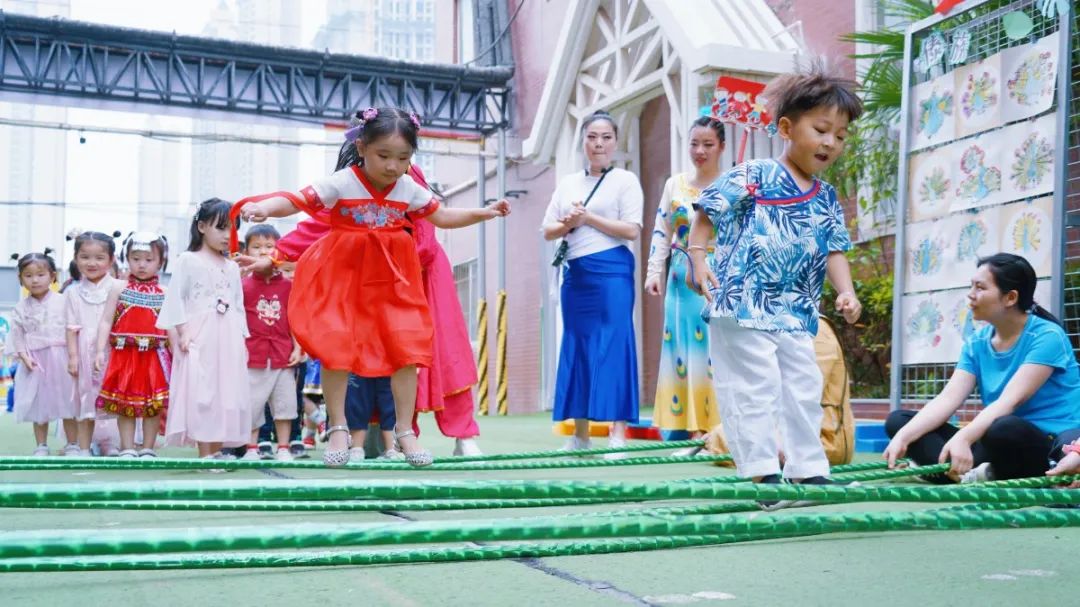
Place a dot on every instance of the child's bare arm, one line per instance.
(276, 206)
(450, 218)
(105, 325)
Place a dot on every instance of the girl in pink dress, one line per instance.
(136, 382)
(44, 388)
(208, 403)
(84, 305)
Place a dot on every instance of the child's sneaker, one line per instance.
(41, 451)
(391, 453)
(770, 505)
(576, 444)
(616, 442)
(71, 450)
(147, 452)
(318, 417)
(283, 455)
(129, 454)
(266, 450)
(298, 450)
(979, 474)
(356, 454)
(251, 455)
(467, 447)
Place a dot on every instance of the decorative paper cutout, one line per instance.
(978, 87)
(1017, 24)
(961, 42)
(933, 117)
(1027, 233)
(931, 184)
(1030, 78)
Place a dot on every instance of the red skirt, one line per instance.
(358, 305)
(135, 384)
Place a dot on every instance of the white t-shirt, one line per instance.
(618, 197)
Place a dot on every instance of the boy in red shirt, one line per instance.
(272, 352)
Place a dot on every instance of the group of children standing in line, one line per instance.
(134, 350)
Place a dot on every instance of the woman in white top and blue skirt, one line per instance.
(598, 213)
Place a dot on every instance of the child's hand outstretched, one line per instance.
(500, 209)
(254, 265)
(847, 303)
(254, 212)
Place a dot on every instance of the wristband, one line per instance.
(697, 247)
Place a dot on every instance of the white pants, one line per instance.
(766, 382)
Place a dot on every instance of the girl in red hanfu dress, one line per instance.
(136, 382)
(358, 291)
(446, 387)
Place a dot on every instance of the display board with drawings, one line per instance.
(980, 181)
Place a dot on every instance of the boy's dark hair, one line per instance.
(213, 211)
(1014, 273)
(712, 123)
(101, 237)
(792, 95)
(262, 229)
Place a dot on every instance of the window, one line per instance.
(466, 281)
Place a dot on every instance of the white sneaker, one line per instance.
(467, 447)
(251, 455)
(979, 474)
(41, 451)
(575, 444)
(616, 443)
(391, 454)
(71, 450)
(283, 455)
(356, 454)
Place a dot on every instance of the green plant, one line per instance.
(867, 343)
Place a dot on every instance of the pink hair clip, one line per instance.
(369, 114)
(415, 119)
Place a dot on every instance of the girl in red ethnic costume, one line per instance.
(446, 387)
(358, 293)
(136, 383)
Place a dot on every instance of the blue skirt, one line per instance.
(597, 377)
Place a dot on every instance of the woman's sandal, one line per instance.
(416, 459)
(336, 459)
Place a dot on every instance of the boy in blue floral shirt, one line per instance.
(779, 232)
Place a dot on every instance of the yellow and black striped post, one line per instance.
(500, 352)
(482, 356)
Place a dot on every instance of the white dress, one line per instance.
(84, 304)
(208, 400)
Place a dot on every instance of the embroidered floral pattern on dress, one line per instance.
(374, 215)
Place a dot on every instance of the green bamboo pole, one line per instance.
(20, 545)
(320, 489)
(202, 464)
(457, 459)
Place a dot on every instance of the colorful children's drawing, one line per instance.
(980, 180)
(1030, 78)
(1032, 162)
(980, 94)
(1026, 232)
(927, 256)
(973, 236)
(934, 187)
(925, 323)
(978, 89)
(933, 111)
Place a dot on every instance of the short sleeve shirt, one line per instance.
(1055, 407)
(772, 242)
(349, 194)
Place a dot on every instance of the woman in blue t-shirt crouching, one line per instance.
(1026, 373)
